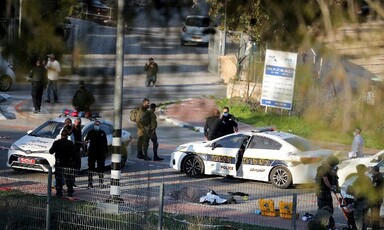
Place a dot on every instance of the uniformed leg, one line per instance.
(145, 147)
(69, 174)
(100, 169)
(34, 96)
(59, 180)
(140, 154)
(155, 147)
(91, 170)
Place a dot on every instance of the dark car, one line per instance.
(7, 75)
(97, 10)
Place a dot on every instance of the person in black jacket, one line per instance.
(83, 98)
(38, 78)
(213, 126)
(98, 148)
(229, 122)
(64, 154)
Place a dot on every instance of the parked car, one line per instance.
(347, 168)
(196, 29)
(281, 158)
(96, 10)
(31, 152)
(7, 75)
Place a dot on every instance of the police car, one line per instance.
(31, 152)
(264, 154)
(347, 168)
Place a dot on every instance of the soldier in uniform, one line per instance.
(64, 154)
(143, 122)
(153, 135)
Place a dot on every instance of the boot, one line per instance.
(155, 157)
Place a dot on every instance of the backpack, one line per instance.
(134, 114)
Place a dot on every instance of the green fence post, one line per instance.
(49, 187)
(161, 206)
(294, 204)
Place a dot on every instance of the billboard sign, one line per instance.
(278, 79)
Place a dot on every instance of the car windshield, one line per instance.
(49, 129)
(198, 22)
(301, 144)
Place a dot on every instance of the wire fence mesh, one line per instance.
(27, 202)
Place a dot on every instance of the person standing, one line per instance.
(377, 197)
(229, 122)
(357, 144)
(213, 126)
(64, 154)
(326, 183)
(361, 190)
(38, 78)
(151, 68)
(78, 142)
(153, 135)
(143, 122)
(83, 98)
(97, 150)
(53, 67)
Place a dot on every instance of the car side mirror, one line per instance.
(214, 145)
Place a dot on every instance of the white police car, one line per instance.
(31, 152)
(347, 168)
(280, 158)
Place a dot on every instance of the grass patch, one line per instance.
(322, 127)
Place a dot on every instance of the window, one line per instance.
(49, 129)
(258, 142)
(301, 143)
(232, 141)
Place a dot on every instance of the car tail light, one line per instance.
(184, 29)
(310, 160)
(74, 114)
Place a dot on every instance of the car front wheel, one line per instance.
(280, 177)
(5, 83)
(193, 166)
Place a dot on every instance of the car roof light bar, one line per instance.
(74, 113)
(263, 129)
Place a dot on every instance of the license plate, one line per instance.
(27, 160)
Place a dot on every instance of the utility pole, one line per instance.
(118, 104)
(225, 28)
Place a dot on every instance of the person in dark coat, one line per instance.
(229, 122)
(326, 182)
(213, 126)
(377, 197)
(64, 154)
(38, 78)
(153, 135)
(151, 68)
(83, 98)
(97, 150)
(78, 142)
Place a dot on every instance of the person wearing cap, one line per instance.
(65, 155)
(357, 144)
(327, 182)
(83, 98)
(377, 197)
(361, 189)
(97, 150)
(38, 78)
(153, 135)
(53, 69)
(151, 68)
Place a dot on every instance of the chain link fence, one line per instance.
(152, 199)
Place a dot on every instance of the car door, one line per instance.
(223, 154)
(259, 157)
